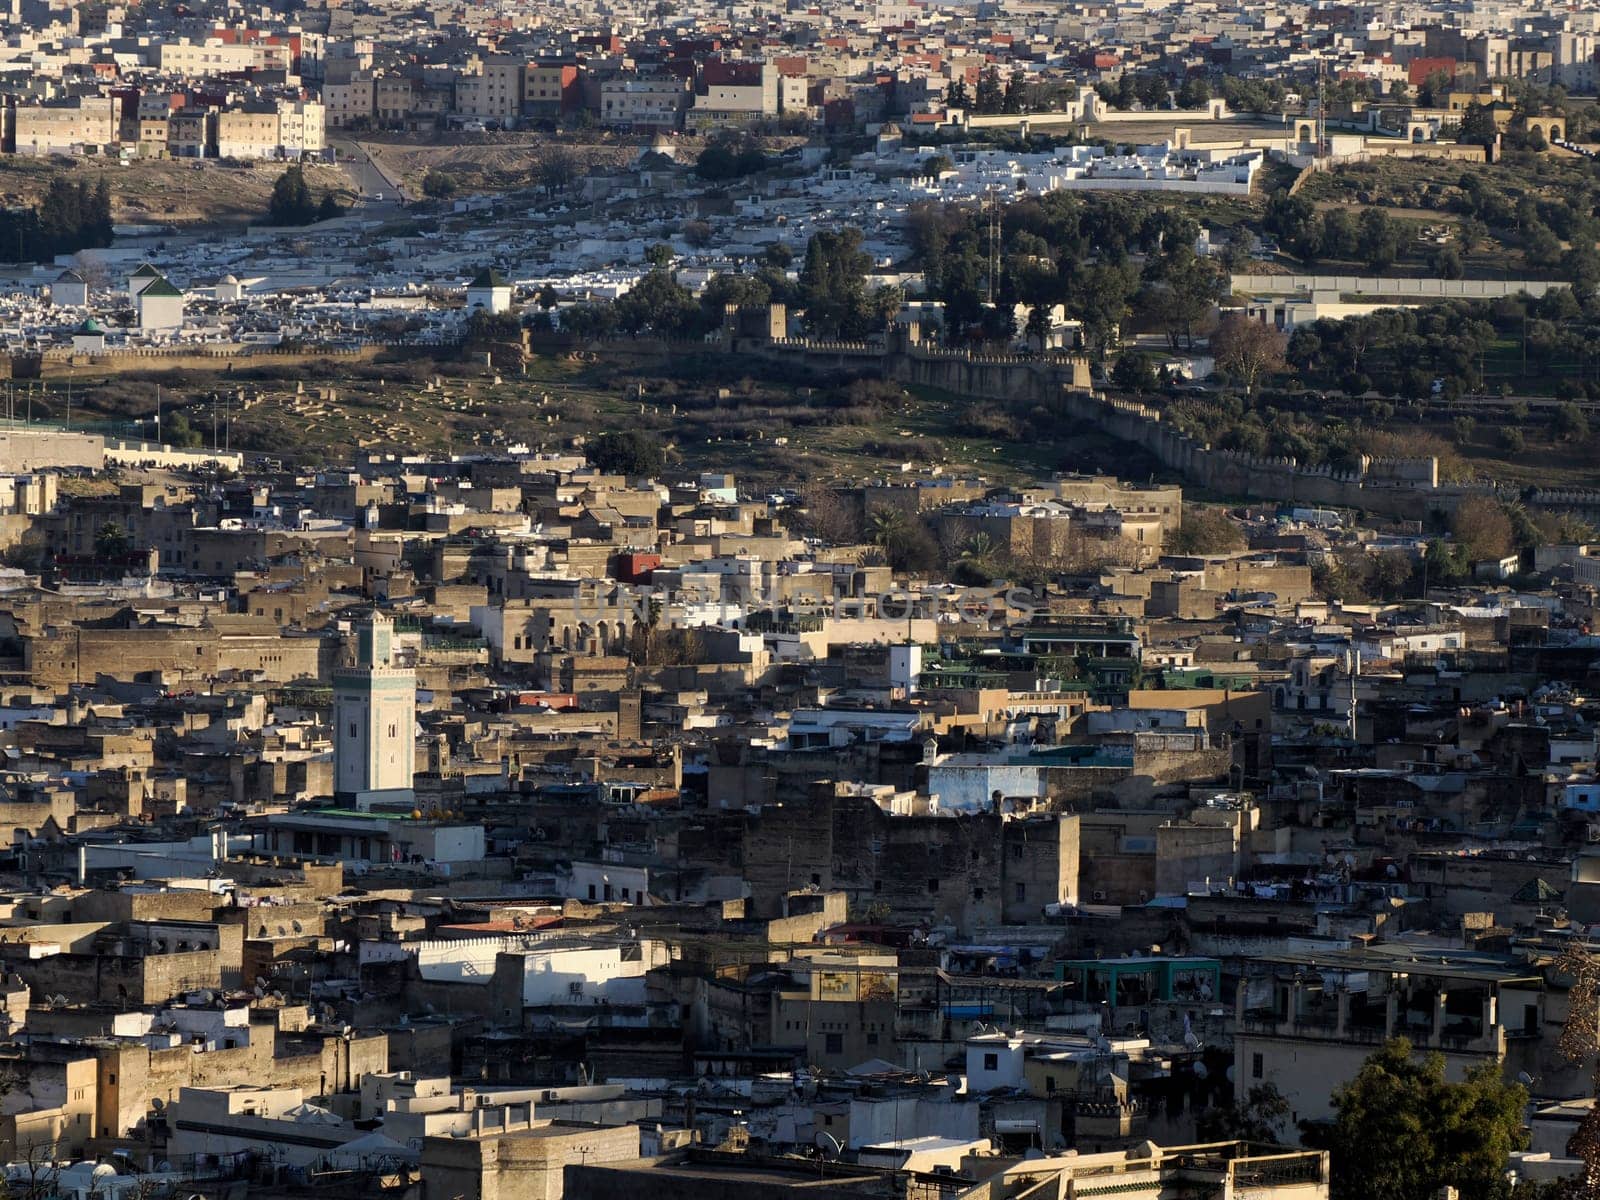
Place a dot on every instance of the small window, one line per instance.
(835, 1043)
(933, 887)
(353, 732)
(1021, 891)
(991, 1062)
(872, 1039)
(1256, 1066)
(977, 893)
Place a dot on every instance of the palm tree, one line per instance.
(976, 557)
(111, 541)
(889, 527)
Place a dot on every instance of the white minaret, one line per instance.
(374, 719)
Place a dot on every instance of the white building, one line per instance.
(142, 277)
(69, 290)
(160, 305)
(490, 291)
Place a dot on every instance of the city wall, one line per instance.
(1403, 488)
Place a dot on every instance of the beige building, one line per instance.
(1223, 1170)
(350, 101)
(656, 103)
(215, 57)
(526, 1162)
(494, 91)
(1307, 1025)
(68, 127)
(248, 132)
(394, 97)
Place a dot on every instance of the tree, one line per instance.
(833, 284)
(658, 303)
(1133, 373)
(558, 168)
(1246, 350)
(1391, 574)
(1340, 234)
(111, 541)
(1195, 92)
(991, 97)
(1293, 221)
(1206, 531)
(1540, 245)
(1477, 125)
(438, 185)
(1447, 263)
(1181, 290)
(1260, 1116)
(1379, 240)
(978, 560)
(1482, 529)
(178, 432)
(626, 452)
(1100, 298)
(1402, 1131)
(1151, 90)
(485, 328)
(826, 517)
(1016, 84)
(291, 202)
(659, 255)
(905, 541)
(1569, 424)
(955, 96)
(1433, 89)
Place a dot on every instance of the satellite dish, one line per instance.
(157, 1103)
(828, 1144)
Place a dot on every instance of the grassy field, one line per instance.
(712, 412)
(158, 192)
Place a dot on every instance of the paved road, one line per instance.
(368, 176)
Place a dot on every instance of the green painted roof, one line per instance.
(488, 277)
(161, 287)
